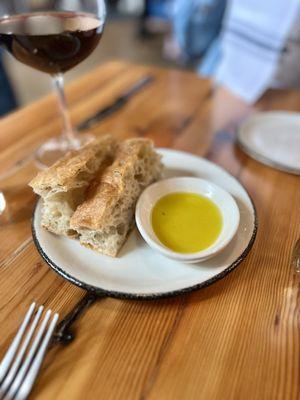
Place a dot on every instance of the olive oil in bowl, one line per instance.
(187, 219)
(186, 222)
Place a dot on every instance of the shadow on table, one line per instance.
(19, 205)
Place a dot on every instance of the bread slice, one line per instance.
(105, 218)
(63, 185)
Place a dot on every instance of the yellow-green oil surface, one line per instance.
(186, 222)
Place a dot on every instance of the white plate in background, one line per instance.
(272, 138)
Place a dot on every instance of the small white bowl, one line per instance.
(225, 202)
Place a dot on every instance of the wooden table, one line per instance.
(237, 339)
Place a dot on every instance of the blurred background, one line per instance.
(136, 30)
(231, 41)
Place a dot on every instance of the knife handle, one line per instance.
(105, 112)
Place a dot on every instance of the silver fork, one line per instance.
(22, 361)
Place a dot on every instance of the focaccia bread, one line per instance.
(105, 218)
(63, 186)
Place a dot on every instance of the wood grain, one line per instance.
(237, 339)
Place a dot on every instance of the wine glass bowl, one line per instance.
(53, 36)
(52, 42)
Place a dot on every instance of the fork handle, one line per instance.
(64, 333)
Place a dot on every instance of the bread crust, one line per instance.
(64, 173)
(63, 186)
(95, 212)
(91, 193)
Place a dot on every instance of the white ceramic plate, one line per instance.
(140, 272)
(273, 138)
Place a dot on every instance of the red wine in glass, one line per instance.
(54, 42)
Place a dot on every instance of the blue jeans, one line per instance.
(7, 97)
(197, 26)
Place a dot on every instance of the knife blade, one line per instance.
(116, 104)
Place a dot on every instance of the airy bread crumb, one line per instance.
(63, 185)
(105, 218)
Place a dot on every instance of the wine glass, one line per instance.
(53, 36)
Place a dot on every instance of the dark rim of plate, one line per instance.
(139, 296)
(153, 296)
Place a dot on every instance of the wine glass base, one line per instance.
(52, 150)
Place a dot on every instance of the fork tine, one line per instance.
(12, 372)
(36, 364)
(21, 374)
(7, 360)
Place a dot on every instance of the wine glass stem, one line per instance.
(68, 132)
